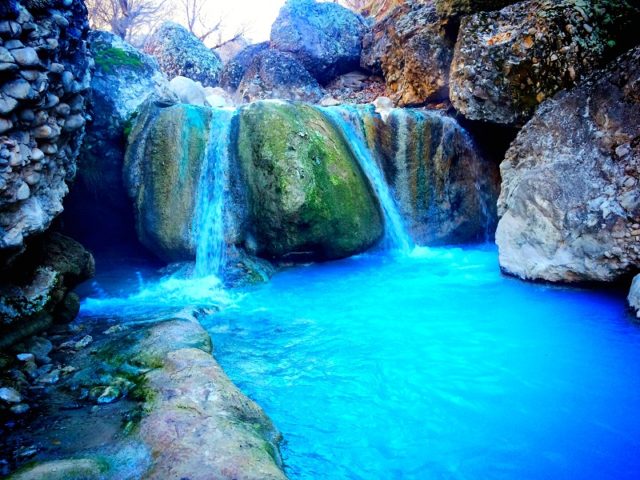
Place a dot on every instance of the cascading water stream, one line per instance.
(347, 120)
(209, 224)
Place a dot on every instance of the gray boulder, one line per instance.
(570, 202)
(325, 37)
(180, 53)
(277, 75)
(507, 62)
(235, 69)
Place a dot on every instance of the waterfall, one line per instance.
(209, 227)
(347, 120)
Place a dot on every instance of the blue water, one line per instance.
(437, 367)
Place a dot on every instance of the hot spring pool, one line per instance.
(437, 367)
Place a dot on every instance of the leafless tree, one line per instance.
(198, 21)
(126, 18)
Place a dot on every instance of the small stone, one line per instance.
(7, 104)
(73, 123)
(26, 57)
(20, 409)
(5, 56)
(40, 347)
(26, 357)
(23, 192)
(623, 150)
(109, 395)
(50, 378)
(43, 131)
(32, 179)
(84, 342)
(10, 28)
(37, 154)
(10, 395)
(5, 125)
(18, 89)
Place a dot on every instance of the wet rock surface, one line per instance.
(451, 8)
(413, 47)
(507, 62)
(325, 37)
(44, 76)
(180, 53)
(143, 399)
(307, 196)
(36, 290)
(277, 75)
(634, 295)
(570, 203)
(98, 207)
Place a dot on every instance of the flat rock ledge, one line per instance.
(144, 399)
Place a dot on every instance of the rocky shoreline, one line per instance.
(141, 397)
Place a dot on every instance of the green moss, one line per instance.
(308, 195)
(109, 59)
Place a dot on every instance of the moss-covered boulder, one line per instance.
(307, 194)
(167, 147)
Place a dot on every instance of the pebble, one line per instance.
(84, 342)
(20, 409)
(26, 57)
(26, 357)
(50, 378)
(40, 347)
(10, 395)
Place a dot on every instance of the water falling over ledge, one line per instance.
(211, 200)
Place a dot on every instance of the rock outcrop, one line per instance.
(160, 406)
(98, 207)
(507, 62)
(325, 37)
(413, 47)
(570, 202)
(44, 76)
(452, 8)
(167, 147)
(308, 197)
(445, 189)
(634, 295)
(34, 292)
(277, 75)
(180, 53)
(234, 70)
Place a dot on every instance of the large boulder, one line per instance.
(181, 53)
(452, 8)
(234, 70)
(34, 292)
(325, 37)
(98, 207)
(167, 148)
(446, 190)
(413, 48)
(277, 75)
(507, 62)
(570, 202)
(44, 76)
(307, 195)
(634, 295)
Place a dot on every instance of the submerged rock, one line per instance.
(180, 53)
(570, 203)
(307, 194)
(98, 209)
(69, 469)
(325, 37)
(508, 62)
(277, 75)
(412, 47)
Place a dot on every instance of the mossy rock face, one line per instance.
(166, 152)
(307, 194)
